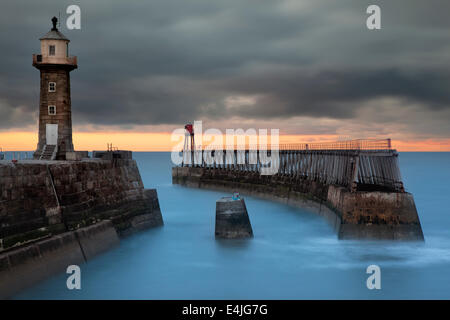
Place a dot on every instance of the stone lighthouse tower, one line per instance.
(55, 114)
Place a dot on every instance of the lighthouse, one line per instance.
(55, 111)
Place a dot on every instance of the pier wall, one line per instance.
(57, 213)
(353, 215)
(42, 198)
(25, 266)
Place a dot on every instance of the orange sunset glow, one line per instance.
(138, 141)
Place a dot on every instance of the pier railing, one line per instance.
(356, 164)
(358, 144)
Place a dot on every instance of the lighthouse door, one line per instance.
(51, 133)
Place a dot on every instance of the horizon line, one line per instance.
(26, 141)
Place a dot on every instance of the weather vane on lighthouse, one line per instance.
(54, 21)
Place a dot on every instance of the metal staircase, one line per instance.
(48, 152)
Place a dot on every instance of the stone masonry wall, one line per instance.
(57, 213)
(39, 199)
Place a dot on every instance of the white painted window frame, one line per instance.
(49, 107)
(49, 86)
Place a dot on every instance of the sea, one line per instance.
(294, 254)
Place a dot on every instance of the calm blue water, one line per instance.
(294, 254)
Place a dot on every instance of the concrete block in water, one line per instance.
(232, 221)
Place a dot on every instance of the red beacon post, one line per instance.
(189, 144)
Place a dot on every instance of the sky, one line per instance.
(311, 69)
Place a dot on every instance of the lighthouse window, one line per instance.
(51, 86)
(51, 50)
(51, 110)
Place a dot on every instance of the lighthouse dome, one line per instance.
(54, 35)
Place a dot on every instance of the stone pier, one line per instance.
(363, 215)
(57, 213)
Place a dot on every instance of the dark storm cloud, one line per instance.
(337, 94)
(168, 62)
